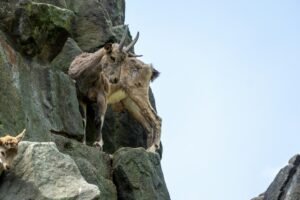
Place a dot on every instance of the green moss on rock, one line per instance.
(50, 15)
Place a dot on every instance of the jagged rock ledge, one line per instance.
(286, 185)
(42, 171)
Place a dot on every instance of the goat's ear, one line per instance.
(21, 135)
(1, 142)
(108, 47)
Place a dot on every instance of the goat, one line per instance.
(114, 75)
(9, 150)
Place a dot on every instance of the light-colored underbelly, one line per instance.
(116, 97)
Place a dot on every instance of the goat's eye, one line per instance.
(2, 153)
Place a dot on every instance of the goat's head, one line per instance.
(115, 54)
(9, 149)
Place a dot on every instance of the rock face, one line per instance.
(286, 185)
(38, 41)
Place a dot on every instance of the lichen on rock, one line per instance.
(41, 29)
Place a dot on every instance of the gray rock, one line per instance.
(286, 185)
(12, 115)
(7, 14)
(258, 198)
(59, 3)
(95, 166)
(138, 175)
(41, 29)
(42, 172)
(63, 60)
(55, 107)
(33, 97)
(115, 10)
(92, 27)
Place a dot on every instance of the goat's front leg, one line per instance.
(102, 106)
(83, 113)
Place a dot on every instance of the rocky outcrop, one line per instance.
(38, 41)
(95, 166)
(286, 185)
(138, 175)
(42, 172)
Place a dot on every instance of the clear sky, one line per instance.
(229, 91)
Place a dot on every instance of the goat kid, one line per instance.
(9, 150)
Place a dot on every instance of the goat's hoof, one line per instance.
(98, 146)
(6, 167)
(154, 148)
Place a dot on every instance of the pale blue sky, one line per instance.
(228, 91)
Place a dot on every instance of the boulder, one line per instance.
(138, 175)
(95, 166)
(41, 172)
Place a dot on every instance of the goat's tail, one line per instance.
(155, 73)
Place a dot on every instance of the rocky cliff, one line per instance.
(38, 40)
(286, 185)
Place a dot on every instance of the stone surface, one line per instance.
(12, 116)
(63, 60)
(92, 27)
(138, 175)
(59, 3)
(116, 10)
(42, 172)
(286, 185)
(41, 29)
(95, 166)
(33, 97)
(261, 197)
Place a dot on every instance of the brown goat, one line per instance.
(114, 75)
(9, 150)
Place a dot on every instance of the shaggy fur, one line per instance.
(112, 75)
(9, 149)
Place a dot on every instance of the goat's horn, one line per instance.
(132, 43)
(134, 55)
(21, 135)
(121, 45)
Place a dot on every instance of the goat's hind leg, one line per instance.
(153, 119)
(144, 113)
(102, 107)
(83, 111)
